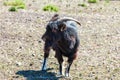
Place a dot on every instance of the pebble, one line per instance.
(31, 64)
(33, 55)
(18, 64)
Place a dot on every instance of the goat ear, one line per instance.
(62, 26)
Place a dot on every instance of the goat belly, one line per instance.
(65, 49)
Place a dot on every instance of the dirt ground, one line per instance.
(21, 47)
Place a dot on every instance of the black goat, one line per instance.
(61, 36)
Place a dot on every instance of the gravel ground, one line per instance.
(21, 47)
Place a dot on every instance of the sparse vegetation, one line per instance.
(15, 4)
(82, 4)
(51, 8)
(21, 7)
(13, 9)
(92, 1)
(107, 1)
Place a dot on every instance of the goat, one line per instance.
(61, 36)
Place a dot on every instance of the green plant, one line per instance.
(92, 1)
(13, 9)
(51, 8)
(107, 1)
(82, 4)
(21, 7)
(15, 4)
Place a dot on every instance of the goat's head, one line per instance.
(54, 28)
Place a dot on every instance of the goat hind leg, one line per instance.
(68, 69)
(70, 61)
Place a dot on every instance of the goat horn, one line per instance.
(70, 19)
(55, 17)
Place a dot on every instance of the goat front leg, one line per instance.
(44, 64)
(60, 69)
(46, 54)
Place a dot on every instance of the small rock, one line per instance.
(80, 74)
(30, 36)
(90, 75)
(33, 55)
(18, 64)
(39, 41)
(93, 72)
(20, 47)
(15, 76)
(96, 78)
(39, 58)
(38, 17)
(31, 64)
(30, 5)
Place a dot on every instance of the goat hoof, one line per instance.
(59, 73)
(67, 75)
(44, 69)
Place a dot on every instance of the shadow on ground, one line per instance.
(38, 75)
